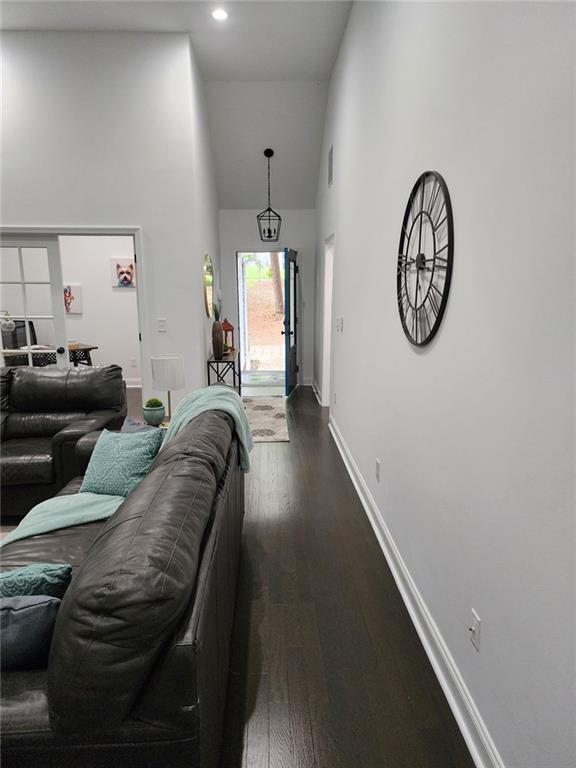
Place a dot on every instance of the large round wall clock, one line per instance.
(425, 258)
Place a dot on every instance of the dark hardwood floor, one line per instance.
(327, 669)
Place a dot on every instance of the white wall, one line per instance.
(245, 118)
(108, 129)
(239, 232)
(109, 318)
(475, 432)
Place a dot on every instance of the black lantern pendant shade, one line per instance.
(269, 222)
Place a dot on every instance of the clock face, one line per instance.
(425, 258)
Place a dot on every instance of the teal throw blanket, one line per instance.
(62, 512)
(214, 398)
(80, 508)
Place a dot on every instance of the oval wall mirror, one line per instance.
(209, 286)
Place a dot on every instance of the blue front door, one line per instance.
(291, 319)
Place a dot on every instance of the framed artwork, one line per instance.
(73, 299)
(123, 273)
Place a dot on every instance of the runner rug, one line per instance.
(267, 419)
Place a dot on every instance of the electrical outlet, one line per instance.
(474, 630)
(162, 325)
(133, 362)
(341, 325)
(378, 468)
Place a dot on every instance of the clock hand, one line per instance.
(420, 223)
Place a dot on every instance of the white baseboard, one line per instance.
(470, 722)
(133, 383)
(316, 391)
(307, 381)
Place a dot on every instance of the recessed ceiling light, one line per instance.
(220, 14)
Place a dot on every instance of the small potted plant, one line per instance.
(154, 412)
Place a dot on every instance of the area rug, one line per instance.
(263, 378)
(267, 419)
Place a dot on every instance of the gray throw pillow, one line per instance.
(131, 425)
(26, 628)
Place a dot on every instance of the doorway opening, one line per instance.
(261, 298)
(71, 300)
(100, 278)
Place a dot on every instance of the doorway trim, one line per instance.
(95, 231)
(327, 321)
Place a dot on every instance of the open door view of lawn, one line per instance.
(262, 301)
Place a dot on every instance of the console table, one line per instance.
(230, 364)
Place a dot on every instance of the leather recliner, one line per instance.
(44, 412)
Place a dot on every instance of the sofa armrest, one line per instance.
(84, 448)
(64, 443)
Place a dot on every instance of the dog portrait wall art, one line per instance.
(123, 273)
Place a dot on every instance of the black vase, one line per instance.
(217, 340)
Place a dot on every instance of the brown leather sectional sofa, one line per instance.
(138, 665)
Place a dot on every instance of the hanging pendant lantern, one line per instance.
(269, 222)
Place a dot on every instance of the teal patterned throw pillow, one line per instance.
(36, 579)
(120, 461)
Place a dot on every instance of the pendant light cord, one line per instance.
(268, 181)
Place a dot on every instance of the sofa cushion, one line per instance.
(66, 545)
(26, 627)
(120, 461)
(135, 584)
(24, 703)
(36, 579)
(39, 424)
(27, 460)
(66, 389)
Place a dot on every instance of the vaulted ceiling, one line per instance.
(266, 69)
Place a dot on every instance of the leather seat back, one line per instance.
(66, 389)
(39, 402)
(136, 583)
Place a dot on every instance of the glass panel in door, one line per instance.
(32, 321)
